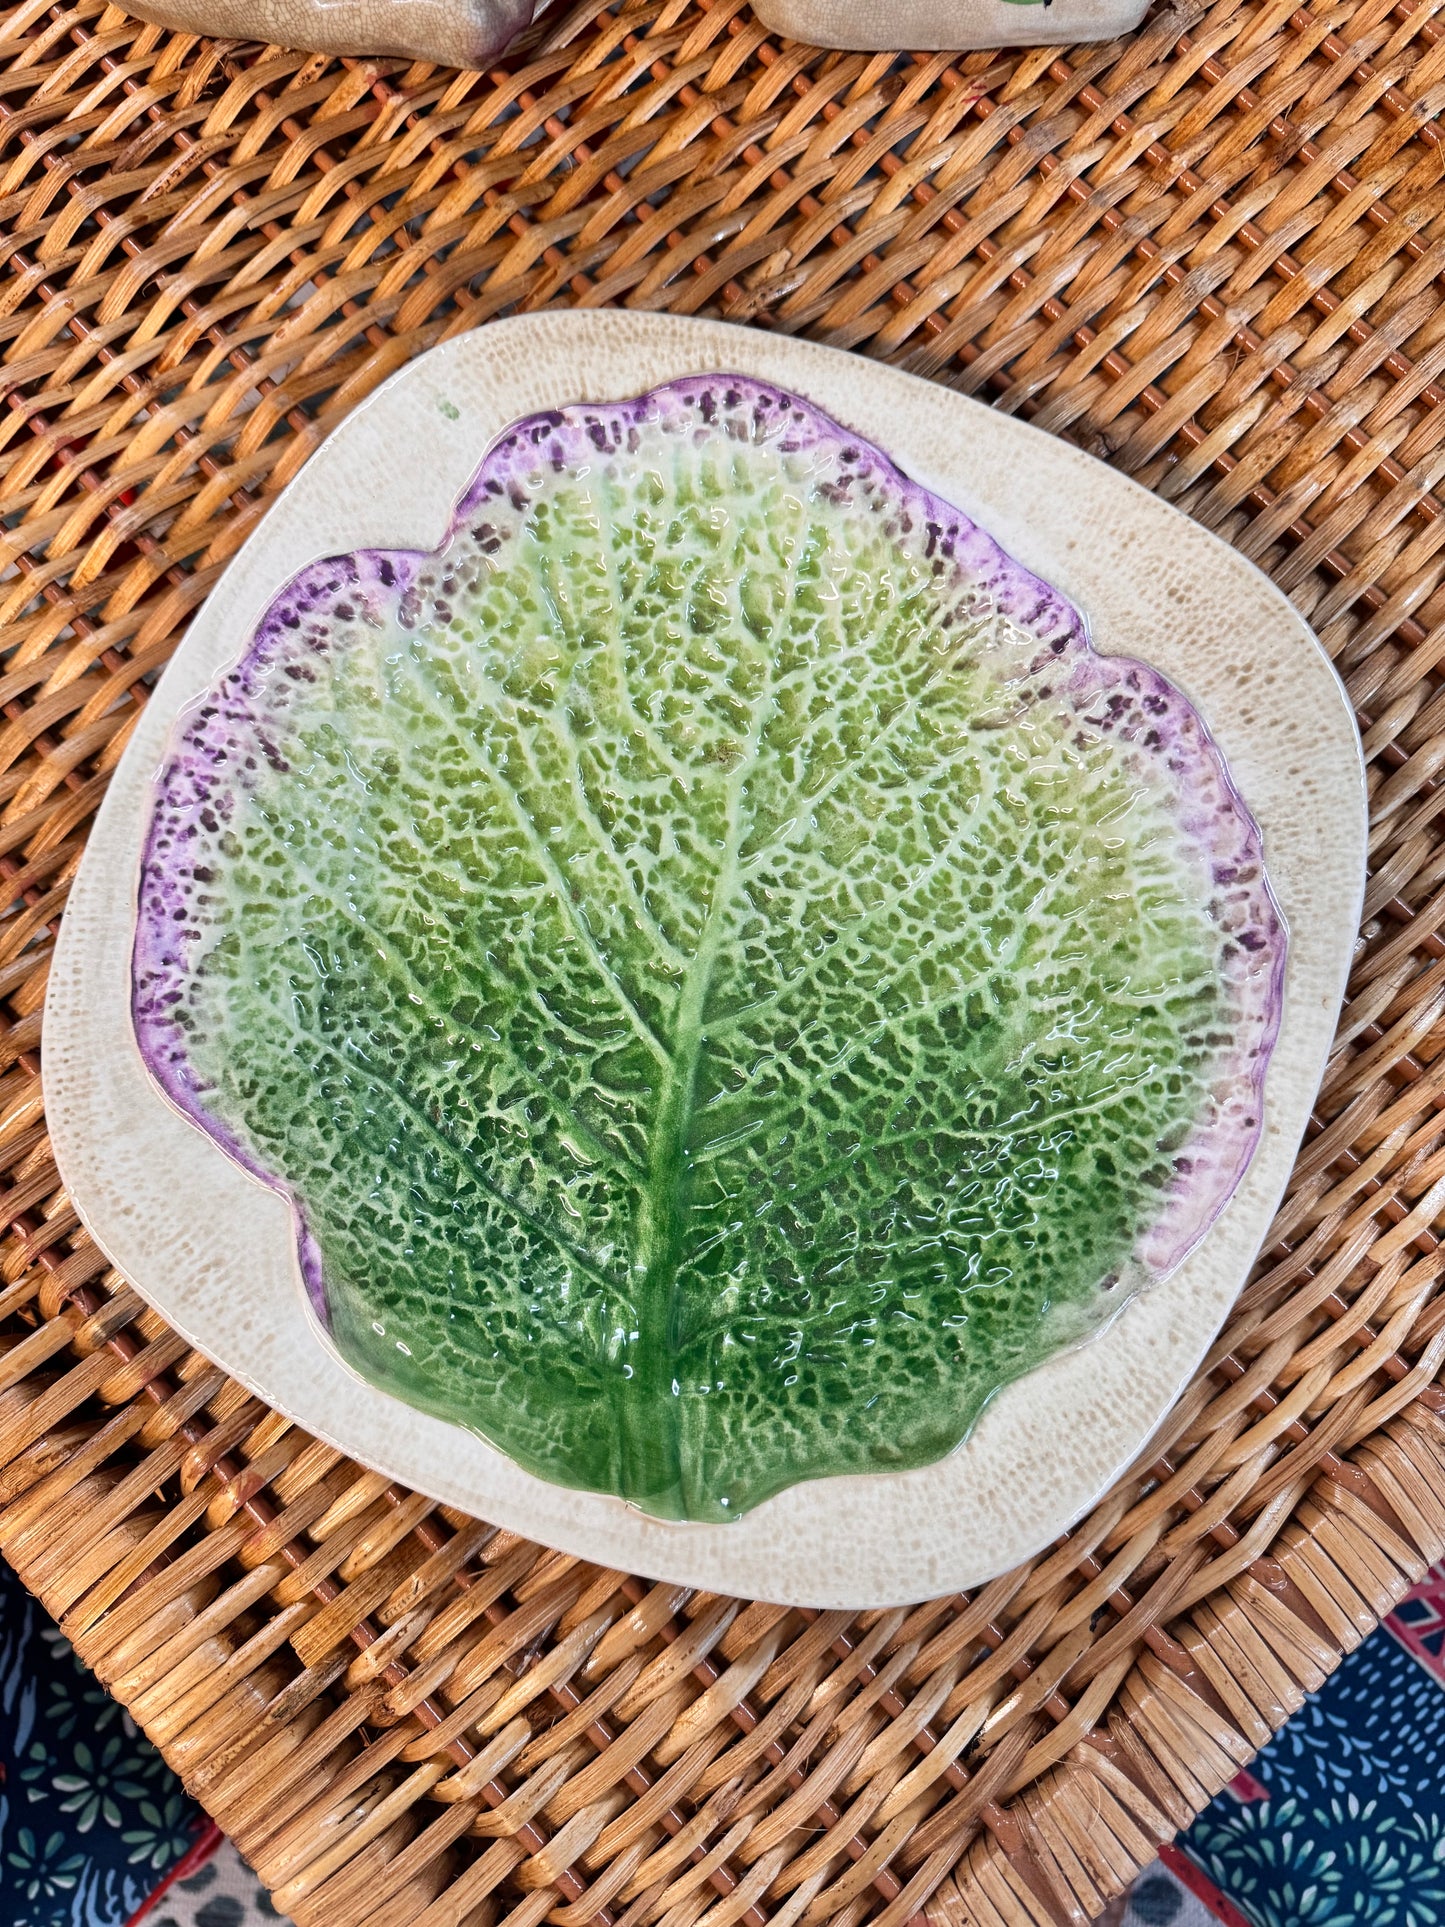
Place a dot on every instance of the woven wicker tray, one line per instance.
(1209, 253)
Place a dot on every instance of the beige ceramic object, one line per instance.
(927, 24)
(214, 1250)
(455, 33)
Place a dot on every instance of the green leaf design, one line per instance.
(726, 975)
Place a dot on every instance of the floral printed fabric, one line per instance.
(1342, 1816)
(91, 1818)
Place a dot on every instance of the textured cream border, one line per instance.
(212, 1249)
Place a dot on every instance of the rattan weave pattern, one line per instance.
(1210, 253)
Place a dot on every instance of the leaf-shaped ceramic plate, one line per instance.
(412, 753)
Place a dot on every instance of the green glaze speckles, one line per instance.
(726, 975)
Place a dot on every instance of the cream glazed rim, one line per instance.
(212, 1249)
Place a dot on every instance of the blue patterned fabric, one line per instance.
(91, 1817)
(1352, 1828)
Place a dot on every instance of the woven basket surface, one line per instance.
(1209, 253)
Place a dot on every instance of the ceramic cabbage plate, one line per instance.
(674, 982)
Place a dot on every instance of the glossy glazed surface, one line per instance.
(726, 975)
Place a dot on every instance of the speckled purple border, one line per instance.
(217, 740)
